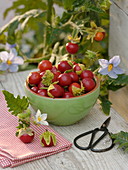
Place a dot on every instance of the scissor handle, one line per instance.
(91, 144)
(93, 132)
(106, 132)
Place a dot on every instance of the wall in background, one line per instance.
(3, 5)
(118, 37)
(118, 45)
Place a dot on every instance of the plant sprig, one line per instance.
(121, 138)
(18, 107)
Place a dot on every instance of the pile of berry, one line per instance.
(67, 79)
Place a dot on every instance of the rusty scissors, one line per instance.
(94, 142)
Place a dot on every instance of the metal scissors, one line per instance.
(93, 143)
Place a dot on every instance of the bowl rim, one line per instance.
(71, 98)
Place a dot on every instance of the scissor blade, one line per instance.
(106, 123)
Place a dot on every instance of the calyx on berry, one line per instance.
(23, 131)
(48, 139)
(78, 68)
(77, 91)
(47, 78)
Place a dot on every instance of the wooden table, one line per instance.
(74, 159)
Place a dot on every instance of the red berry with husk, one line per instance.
(64, 66)
(76, 89)
(74, 76)
(48, 139)
(45, 65)
(78, 68)
(87, 74)
(55, 90)
(34, 78)
(42, 92)
(26, 135)
(56, 75)
(88, 84)
(64, 79)
(34, 89)
(47, 78)
(72, 48)
(67, 95)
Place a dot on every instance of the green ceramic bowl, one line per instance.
(64, 111)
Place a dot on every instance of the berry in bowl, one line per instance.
(66, 92)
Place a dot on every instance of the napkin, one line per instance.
(14, 152)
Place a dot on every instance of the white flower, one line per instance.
(110, 67)
(10, 61)
(41, 118)
(8, 46)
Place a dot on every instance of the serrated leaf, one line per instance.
(121, 80)
(121, 139)
(118, 83)
(105, 104)
(16, 104)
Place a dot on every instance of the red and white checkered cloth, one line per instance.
(13, 152)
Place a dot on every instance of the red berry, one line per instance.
(78, 68)
(45, 65)
(56, 75)
(74, 76)
(54, 69)
(88, 84)
(68, 95)
(77, 85)
(42, 73)
(48, 139)
(63, 66)
(86, 74)
(34, 78)
(65, 79)
(34, 89)
(99, 36)
(40, 85)
(42, 92)
(56, 91)
(72, 48)
(26, 138)
(47, 145)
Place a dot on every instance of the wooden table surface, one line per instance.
(74, 159)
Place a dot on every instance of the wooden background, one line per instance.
(118, 44)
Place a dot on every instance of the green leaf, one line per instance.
(121, 81)
(121, 138)
(53, 35)
(68, 4)
(95, 9)
(105, 104)
(11, 32)
(2, 38)
(22, 6)
(16, 104)
(13, 24)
